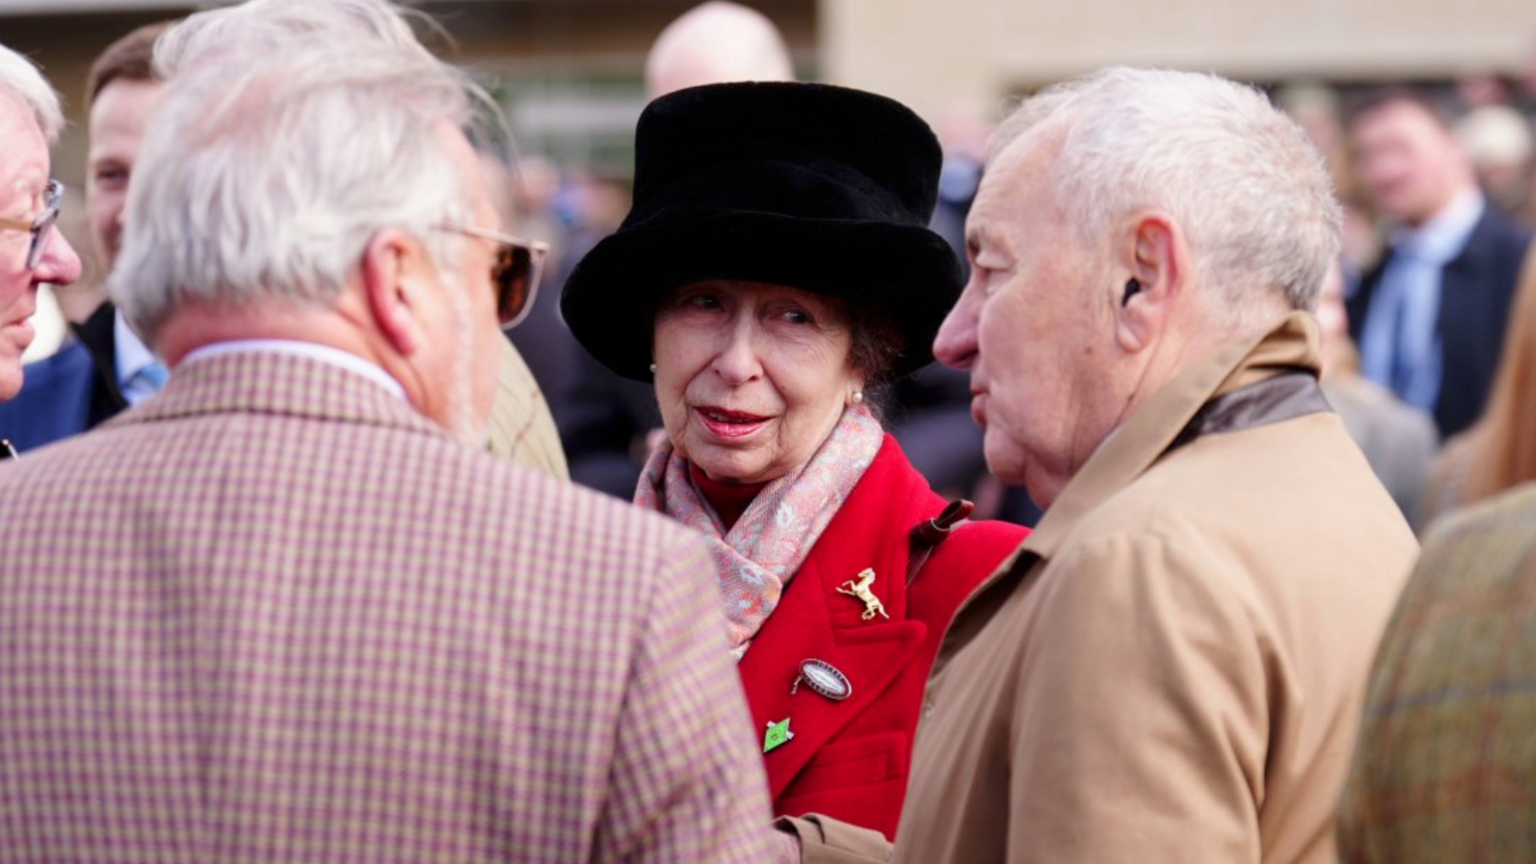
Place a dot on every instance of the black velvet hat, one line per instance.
(820, 188)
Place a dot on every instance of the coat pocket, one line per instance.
(861, 782)
(843, 764)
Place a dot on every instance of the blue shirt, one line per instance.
(1399, 346)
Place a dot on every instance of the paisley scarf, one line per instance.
(762, 551)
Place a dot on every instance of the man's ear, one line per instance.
(394, 268)
(1153, 261)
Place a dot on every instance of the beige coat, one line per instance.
(1171, 668)
(522, 429)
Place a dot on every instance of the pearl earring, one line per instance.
(653, 368)
(856, 397)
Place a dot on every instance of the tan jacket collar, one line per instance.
(1144, 438)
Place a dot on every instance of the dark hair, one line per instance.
(130, 58)
(877, 343)
(1377, 98)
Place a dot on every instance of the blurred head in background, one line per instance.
(713, 43)
(1406, 158)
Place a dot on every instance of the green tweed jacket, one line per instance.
(1446, 765)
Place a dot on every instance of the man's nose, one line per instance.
(956, 343)
(60, 264)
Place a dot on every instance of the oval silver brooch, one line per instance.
(824, 679)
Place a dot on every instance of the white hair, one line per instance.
(267, 26)
(290, 133)
(21, 78)
(1249, 190)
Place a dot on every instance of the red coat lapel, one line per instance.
(814, 621)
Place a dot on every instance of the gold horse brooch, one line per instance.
(860, 589)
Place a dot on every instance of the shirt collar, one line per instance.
(1439, 239)
(129, 353)
(314, 351)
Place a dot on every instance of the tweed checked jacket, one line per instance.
(275, 615)
(1446, 767)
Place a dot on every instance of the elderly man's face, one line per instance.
(1409, 164)
(1031, 329)
(23, 176)
(117, 122)
(466, 334)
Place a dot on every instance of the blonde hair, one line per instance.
(1503, 444)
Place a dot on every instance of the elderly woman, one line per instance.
(776, 269)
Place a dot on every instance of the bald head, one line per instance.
(713, 43)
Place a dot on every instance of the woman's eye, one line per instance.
(798, 316)
(111, 178)
(702, 301)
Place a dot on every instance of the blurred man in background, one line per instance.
(713, 43)
(1429, 318)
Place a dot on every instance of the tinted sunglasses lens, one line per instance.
(517, 278)
(513, 266)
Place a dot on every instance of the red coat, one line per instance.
(850, 759)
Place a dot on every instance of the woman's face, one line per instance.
(751, 377)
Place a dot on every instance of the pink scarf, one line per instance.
(762, 551)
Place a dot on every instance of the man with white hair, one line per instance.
(1171, 667)
(289, 610)
(107, 367)
(32, 252)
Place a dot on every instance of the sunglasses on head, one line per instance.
(515, 272)
(42, 226)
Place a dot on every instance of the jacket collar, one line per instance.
(277, 384)
(815, 621)
(1157, 427)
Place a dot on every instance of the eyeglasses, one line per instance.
(42, 226)
(515, 272)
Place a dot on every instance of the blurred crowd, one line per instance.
(302, 559)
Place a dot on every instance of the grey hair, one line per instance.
(1250, 191)
(267, 172)
(20, 76)
(268, 26)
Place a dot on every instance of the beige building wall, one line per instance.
(931, 53)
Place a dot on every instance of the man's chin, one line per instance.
(10, 378)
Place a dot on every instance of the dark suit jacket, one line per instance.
(70, 392)
(1475, 289)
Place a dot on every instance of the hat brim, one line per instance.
(908, 273)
